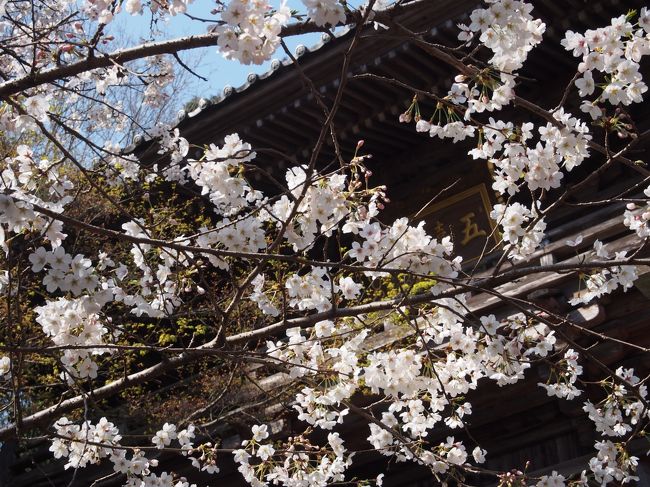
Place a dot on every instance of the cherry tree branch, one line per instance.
(121, 56)
(47, 414)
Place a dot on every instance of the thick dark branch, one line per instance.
(122, 56)
(46, 415)
(257, 256)
(173, 46)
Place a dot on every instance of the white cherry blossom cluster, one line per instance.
(296, 463)
(406, 377)
(120, 168)
(508, 29)
(17, 216)
(159, 289)
(613, 463)
(405, 247)
(515, 221)
(164, 436)
(89, 443)
(86, 443)
(251, 32)
(322, 406)
(622, 409)
(636, 218)
(395, 373)
(565, 374)
(99, 10)
(27, 180)
(325, 12)
(415, 416)
(482, 93)
(159, 75)
(203, 457)
(554, 480)
(49, 29)
(568, 139)
(36, 107)
(454, 451)
(507, 355)
(321, 208)
(440, 459)
(219, 177)
(559, 147)
(608, 279)
(219, 174)
(310, 291)
(259, 297)
(456, 131)
(485, 91)
(5, 366)
(446, 322)
(207, 238)
(24, 172)
(11, 64)
(615, 51)
(137, 468)
(75, 323)
(498, 350)
(171, 143)
(295, 351)
(109, 77)
(243, 234)
(309, 356)
(563, 145)
(160, 7)
(75, 274)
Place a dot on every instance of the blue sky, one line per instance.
(218, 71)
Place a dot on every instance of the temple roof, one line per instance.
(277, 109)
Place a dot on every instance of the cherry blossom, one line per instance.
(107, 270)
